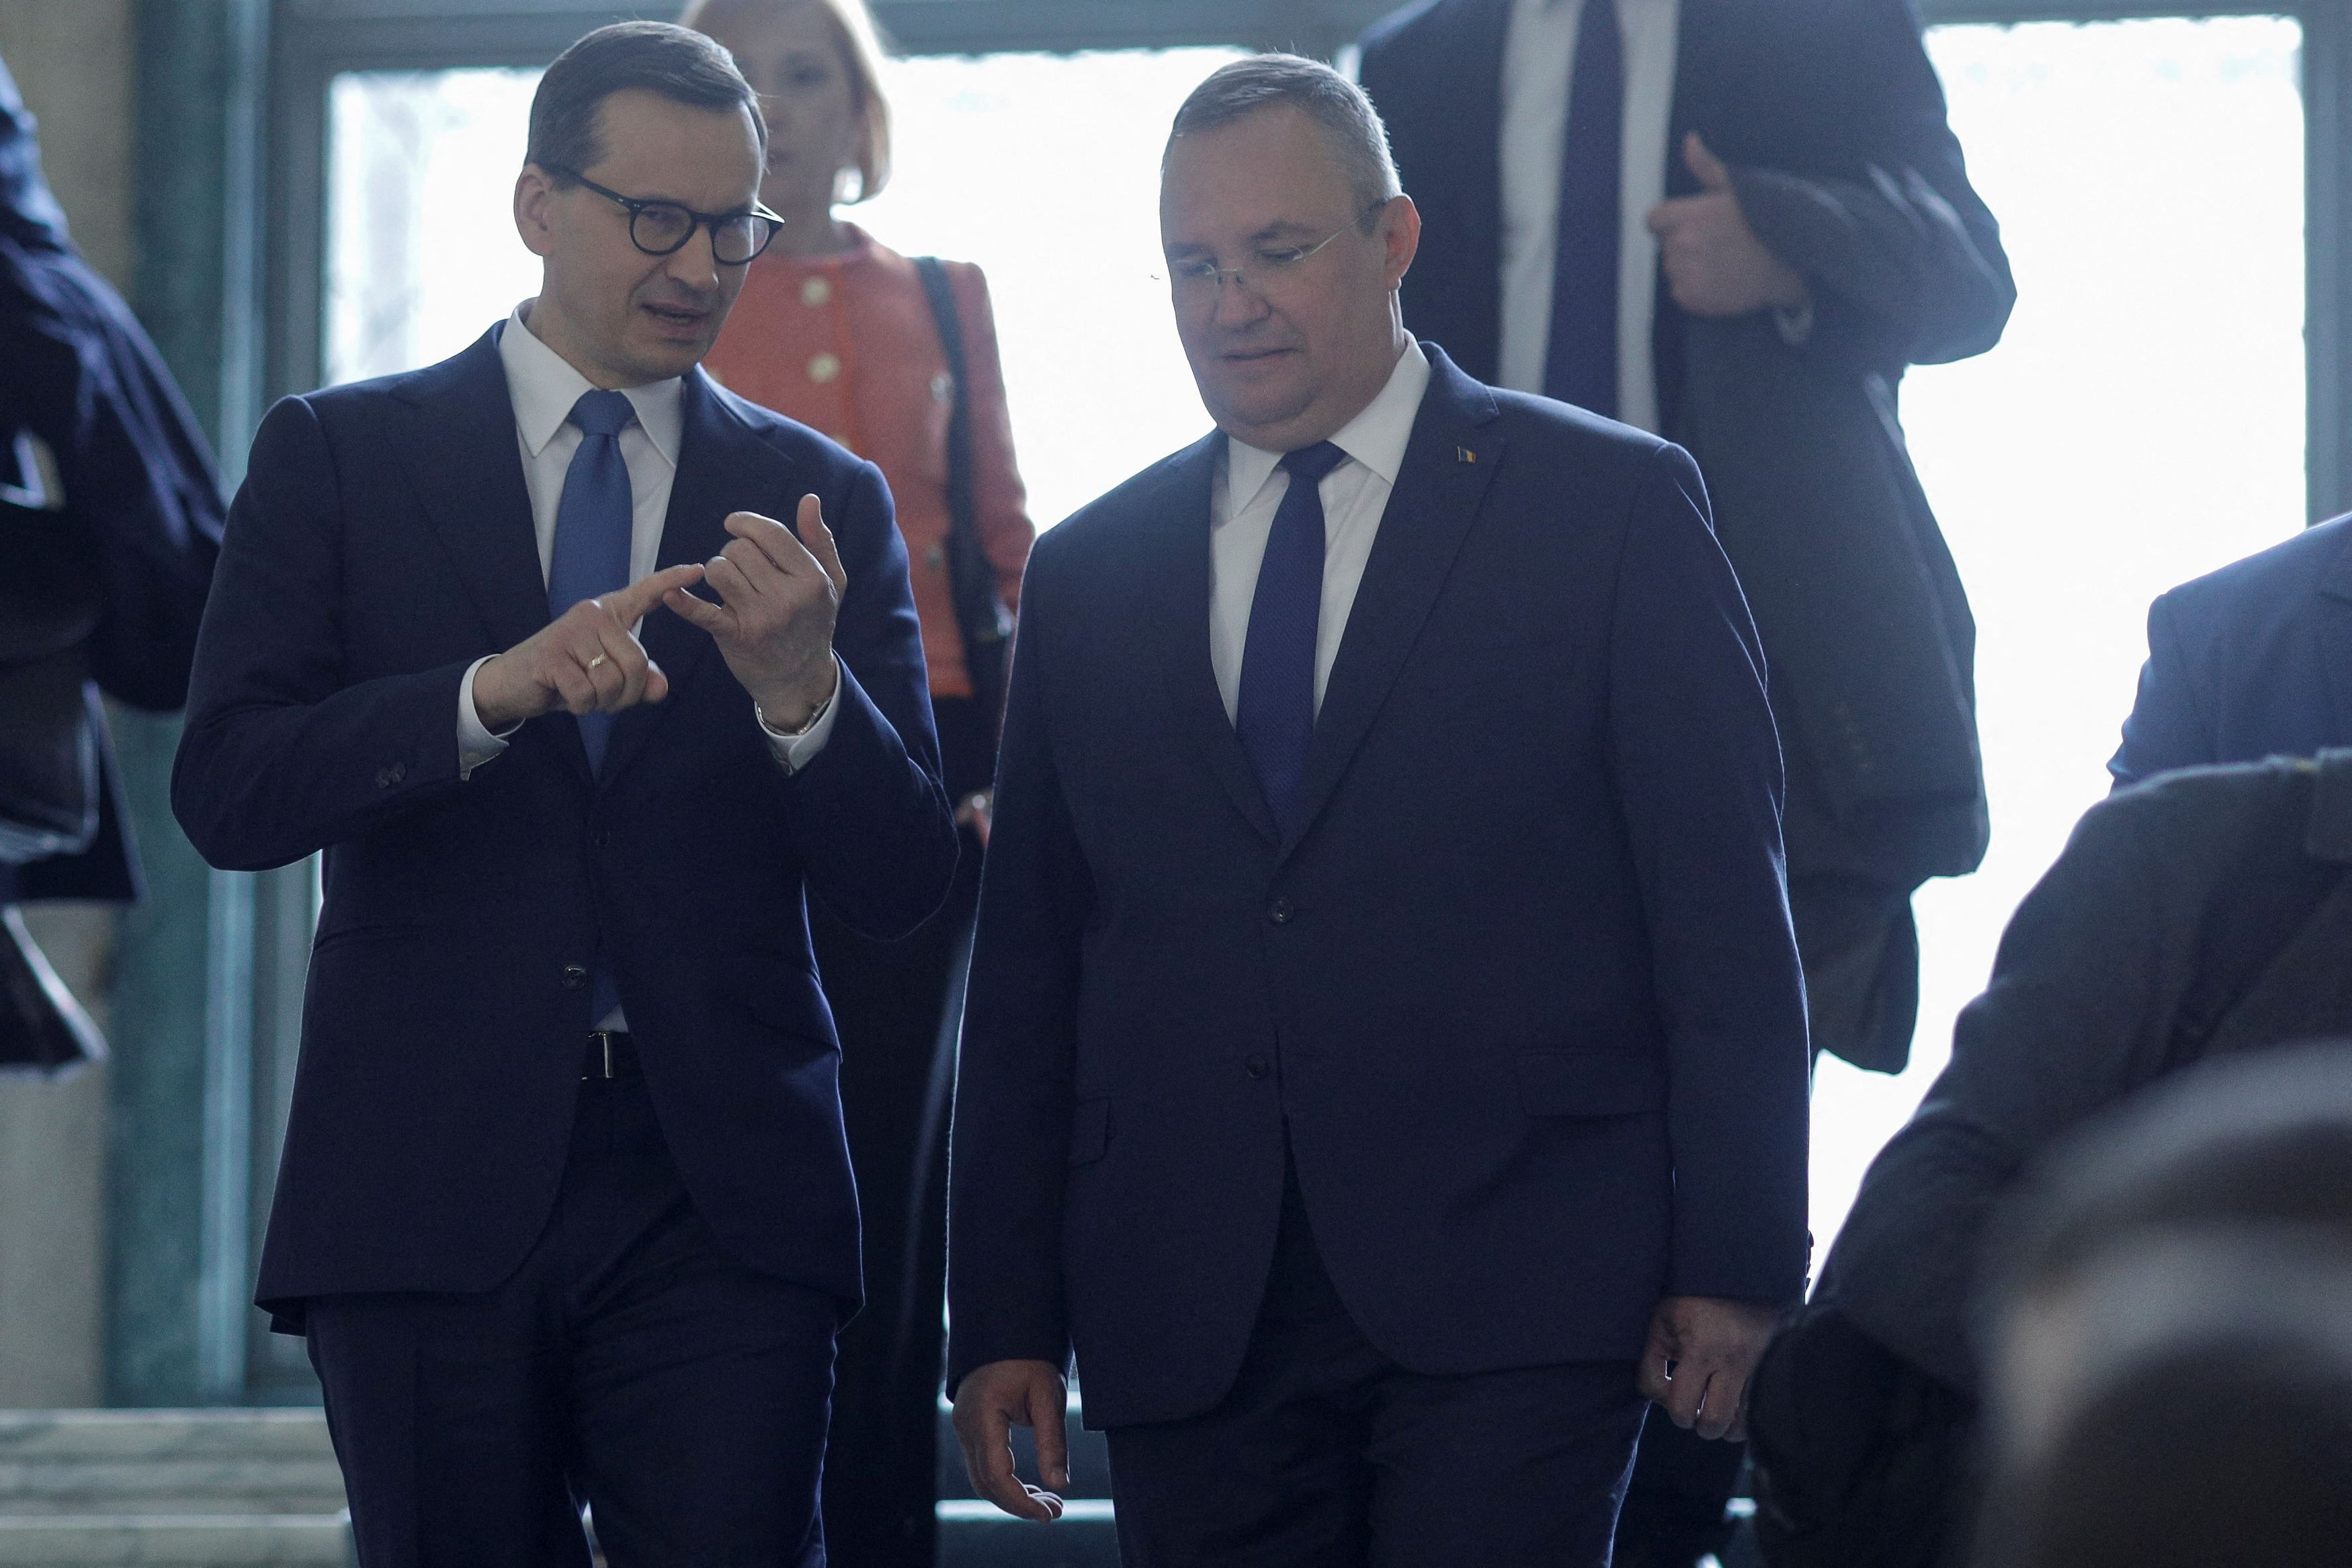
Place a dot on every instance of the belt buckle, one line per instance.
(603, 1039)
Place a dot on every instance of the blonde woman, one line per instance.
(896, 359)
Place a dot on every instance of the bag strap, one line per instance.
(981, 614)
(950, 323)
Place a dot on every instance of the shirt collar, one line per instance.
(544, 386)
(1376, 437)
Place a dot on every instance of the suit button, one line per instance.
(575, 978)
(599, 838)
(1258, 1066)
(1280, 912)
(386, 778)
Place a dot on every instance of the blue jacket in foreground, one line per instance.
(381, 542)
(1522, 996)
(2249, 661)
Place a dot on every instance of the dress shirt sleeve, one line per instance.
(797, 748)
(476, 744)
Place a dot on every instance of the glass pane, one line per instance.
(2141, 422)
(422, 253)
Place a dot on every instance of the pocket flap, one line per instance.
(1089, 1131)
(1590, 1083)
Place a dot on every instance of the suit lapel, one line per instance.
(465, 464)
(712, 473)
(1448, 464)
(1179, 562)
(2334, 621)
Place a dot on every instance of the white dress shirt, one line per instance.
(544, 386)
(1539, 64)
(1355, 495)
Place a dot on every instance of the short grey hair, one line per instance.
(1336, 105)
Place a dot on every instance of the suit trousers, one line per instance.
(629, 1366)
(894, 1006)
(1327, 1454)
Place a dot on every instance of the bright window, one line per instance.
(2141, 422)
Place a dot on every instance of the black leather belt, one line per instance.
(612, 1054)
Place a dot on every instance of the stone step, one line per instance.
(973, 1534)
(169, 1489)
(176, 1541)
(68, 1435)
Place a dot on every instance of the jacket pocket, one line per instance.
(1089, 1131)
(1589, 1083)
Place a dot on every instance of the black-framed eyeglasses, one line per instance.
(662, 228)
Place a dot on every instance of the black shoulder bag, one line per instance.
(981, 614)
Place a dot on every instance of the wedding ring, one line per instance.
(596, 661)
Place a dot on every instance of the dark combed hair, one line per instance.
(1336, 105)
(677, 63)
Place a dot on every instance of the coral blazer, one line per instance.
(845, 343)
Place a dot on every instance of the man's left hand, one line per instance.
(778, 597)
(1697, 1364)
(1714, 264)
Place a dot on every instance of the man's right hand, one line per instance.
(585, 660)
(990, 1402)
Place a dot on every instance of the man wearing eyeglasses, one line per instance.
(564, 1209)
(1384, 1062)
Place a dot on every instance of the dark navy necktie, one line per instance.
(1581, 364)
(1275, 712)
(592, 527)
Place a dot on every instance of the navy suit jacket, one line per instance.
(381, 543)
(1521, 996)
(2249, 661)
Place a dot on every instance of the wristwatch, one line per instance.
(816, 717)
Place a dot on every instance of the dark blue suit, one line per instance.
(1830, 116)
(2249, 661)
(1520, 999)
(381, 542)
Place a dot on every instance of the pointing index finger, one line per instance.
(633, 604)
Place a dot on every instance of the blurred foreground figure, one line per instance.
(2248, 661)
(1385, 1062)
(109, 522)
(2204, 914)
(2170, 1357)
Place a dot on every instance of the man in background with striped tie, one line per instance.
(1384, 1062)
(564, 1211)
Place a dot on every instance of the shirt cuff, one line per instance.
(475, 744)
(1796, 325)
(797, 749)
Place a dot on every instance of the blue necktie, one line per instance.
(1581, 364)
(593, 528)
(1275, 712)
